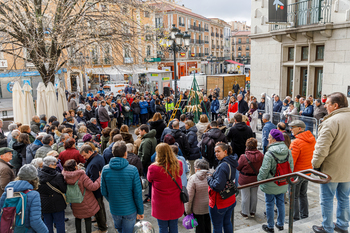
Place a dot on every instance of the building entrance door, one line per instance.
(303, 81)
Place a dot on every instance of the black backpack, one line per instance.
(208, 147)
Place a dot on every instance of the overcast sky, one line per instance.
(228, 10)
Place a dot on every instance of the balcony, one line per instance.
(213, 46)
(222, 47)
(181, 24)
(206, 54)
(193, 41)
(221, 36)
(307, 12)
(206, 42)
(206, 30)
(218, 47)
(200, 41)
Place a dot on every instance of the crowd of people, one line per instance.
(91, 157)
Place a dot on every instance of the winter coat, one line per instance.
(103, 114)
(21, 149)
(42, 125)
(266, 131)
(3, 139)
(214, 107)
(89, 207)
(166, 131)
(235, 88)
(320, 112)
(268, 167)
(205, 107)
(94, 129)
(143, 107)
(297, 106)
(93, 166)
(6, 175)
(166, 202)
(107, 153)
(104, 141)
(169, 106)
(161, 109)
(125, 113)
(332, 148)
(247, 174)
(254, 121)
(302, 150)
(33, 220)
(159, 126)
(127, 137)
(81, 136)
(121, 186)
(182, 140)
(72, 104)
(238, 135)
(35, 127)
(201, 127)
(153, 105)
(243, 107)
(42, 151)
(197, 188)
(277, 106)
(71, 153)
(51, 201)
(147, 147)
(261, 106)
(32, 149)
(88, 115)
(194, 151)
(80, 119)
(135, 161)
(16, 161)
(218, 181)
(135, 107)
(308, 111)
(232, 107)
(223, 108)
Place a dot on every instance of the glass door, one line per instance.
(318, 83)
(303, 81)
(290, 81)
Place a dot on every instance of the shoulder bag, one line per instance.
(230, 187)
(57, 191)
(183, 194)
(251, 165)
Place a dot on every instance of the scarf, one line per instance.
(251, 111)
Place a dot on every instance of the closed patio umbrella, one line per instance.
(41, 107)
(62, 101)
(17, 103)
(29, 110)
(52, 109)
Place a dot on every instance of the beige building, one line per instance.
(241, 47)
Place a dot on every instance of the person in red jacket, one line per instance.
(302, 151)
(167, 206)
(70, 152)
(252, 158)
(233, 106)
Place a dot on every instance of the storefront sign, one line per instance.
(278, 11)
(193, 54)
(153, 59)
(166, 68)
(182, 54)
(3, 63)
(25, 73)
(154, 75)
(166, 79)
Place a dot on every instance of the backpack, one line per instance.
(281, 169)
(73, 193)
(207, 147)
(12, 216)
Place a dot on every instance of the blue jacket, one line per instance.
(215, 105)
(153, 105)
(266, 131)
(89, 94)
(107, 153)
(31, 150)
(33, 219)
(308, 111)
(218, 180)
(42, 125)
(130, 90)
(121, 186)
(277, 106)
(192, 138)
(93, 166)
(102, 93)
(143, 106)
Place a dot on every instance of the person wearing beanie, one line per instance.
(27, 181)
(276, 150)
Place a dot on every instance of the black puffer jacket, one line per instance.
(193, 142)
(51, 201)
(238, 135)
(161, 109)
(182, 140)
(94, 129)
(159, 126)
(88, 115)
(135, 107)
(20, 147)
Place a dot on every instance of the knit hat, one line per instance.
(277, 135)
(27, 172)
(87, 137)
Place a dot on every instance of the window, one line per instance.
(304, 53)
(291, 54)
(318, 82)
(146, 14)
(247, 54)
(247, 47)
(239, 40)
(159, 22)
(290, 81)
(239, 54)
(303, 81)
(107, 58)
(239, 48)
(319, 52)
(247, 40)
(148, 51)
(95, 55)
(126, 52)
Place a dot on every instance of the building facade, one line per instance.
(241, 47)
(308, 56)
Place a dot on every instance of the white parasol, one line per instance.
(51, 99)
(17, 102)
(41, 107)
(62, 101)
(28, 103)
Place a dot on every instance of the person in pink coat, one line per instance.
(167, 206)
(89, 207)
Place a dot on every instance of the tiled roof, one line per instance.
(241, 33)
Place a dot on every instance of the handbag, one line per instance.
(57, 191)
(183, 194)
(251, 165)
(230, 187)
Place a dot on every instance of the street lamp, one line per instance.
(210, 59)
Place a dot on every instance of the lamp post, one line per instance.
(210, 59)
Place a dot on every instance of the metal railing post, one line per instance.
(291, 202)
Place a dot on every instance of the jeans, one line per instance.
(236, 178)
(341, 191)
(301, 204)
(204, 225)
(145, 171)
(101, 217)
(249, 200)
(87, 225)
(143, 118)
(214, 116)
(221, 218)
(127, 121)
(136, 119)
(124, 224)
(167, 226)
(270, 200)
(58, 219)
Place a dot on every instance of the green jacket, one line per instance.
(127, 114)
(297, 106)
(147, 147)
(268, 167)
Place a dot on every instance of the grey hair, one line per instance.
(288, 97)
(129, 147)
(201, 164)
(49, 160)
(12, 127)
(36, 162)
(47, 139)
(266, 116)
(240, 95)
(15, 133)
(63, 136)
(92, 119)
(318, 101)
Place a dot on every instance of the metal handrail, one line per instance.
(292, 179)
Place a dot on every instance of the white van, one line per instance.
(185, 82)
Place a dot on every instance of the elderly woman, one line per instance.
(27, 180)
(52, 188)
(197, 188)
(37, 163)
(55, 154)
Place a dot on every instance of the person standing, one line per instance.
(331, 156)
(120, 185)
(277, 151)
(181, 139)
(232, 107)
(302, 150)
(277, 104)
(46, 148)
(35, 124)
(6, 169)
(205, 105)
(103, 115)
(319, 110)
(242, 105)
(194, 151)
(308, 112)
(144, 111)
(214, 108)
(236, 88)
(135, 107)
(253, 116)
(72, 104)
(268, 126)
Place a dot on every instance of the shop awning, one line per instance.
(234, 62)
